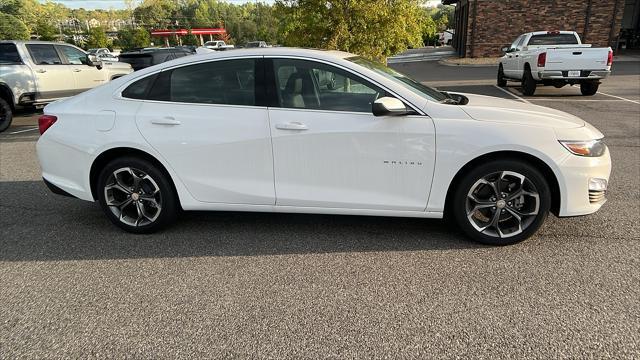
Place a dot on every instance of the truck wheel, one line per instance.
(528, 83)
(6, 115)
(589, 88)
(502, 82)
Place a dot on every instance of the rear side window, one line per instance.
(553, 39)
(226, 82)
(140, 88)
(9, 55)
(44, 54)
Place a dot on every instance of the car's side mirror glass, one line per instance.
(389, 106)
(506, 49)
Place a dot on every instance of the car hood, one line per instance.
(489, 108)
(116, 65)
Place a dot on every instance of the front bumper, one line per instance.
(564, 75)
(585, 184)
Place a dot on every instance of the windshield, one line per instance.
(407, 82)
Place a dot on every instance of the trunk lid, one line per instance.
(576, 58)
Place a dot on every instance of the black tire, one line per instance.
(152, 193)
(472, 217)
(6, 115)
(589, 88)
(502, 82)
(528, 83)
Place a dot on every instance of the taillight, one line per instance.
(45, 122)
(542, 59)
(610, 58)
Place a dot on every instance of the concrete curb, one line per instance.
(443, 62)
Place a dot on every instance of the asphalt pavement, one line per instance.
(222, 285)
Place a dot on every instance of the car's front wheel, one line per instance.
(501, 202)
(6, 115)
(136, 195)
(502, 82)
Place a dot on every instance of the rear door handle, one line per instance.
(292, 126)
(166, 121)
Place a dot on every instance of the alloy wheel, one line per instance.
(502, 204)
(133, 196)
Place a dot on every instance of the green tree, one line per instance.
(133, 38)
(97, 38)
(46, 31)
(372, 28)
(11, 28)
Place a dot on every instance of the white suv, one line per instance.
(38, 72)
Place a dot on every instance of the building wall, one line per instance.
(494, 24)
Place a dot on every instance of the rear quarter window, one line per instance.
(140, 88)
(9, 55)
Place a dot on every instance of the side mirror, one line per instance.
(94, 61)
(388, 106)
(506, 49)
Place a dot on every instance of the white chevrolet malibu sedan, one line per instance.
(263, 130)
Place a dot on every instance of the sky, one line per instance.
(119, 4)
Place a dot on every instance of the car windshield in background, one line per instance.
(553, 39)
(389, 73)
(9, 55)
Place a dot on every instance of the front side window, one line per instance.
(303, 84)
(520, 43)
(226, 82)
(44, 54)
(74, 56)
(514, 46)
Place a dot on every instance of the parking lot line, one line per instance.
(21, 131)
(618, 97)
(576, 100)
(512, 94)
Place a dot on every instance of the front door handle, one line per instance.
(76, 70)
(166, 121)
(292, 126)
(41, 71)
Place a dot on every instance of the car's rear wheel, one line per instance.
(501, 202)
(136, 195)
(502, 82)
(528, 83)
(589, 88)
(6, 115)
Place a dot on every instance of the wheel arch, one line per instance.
(108, 155)
(532, 160)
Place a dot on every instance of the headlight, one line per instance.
(590, 148)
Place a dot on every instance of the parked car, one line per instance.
(261, 135)
(98, 51)
(142, 58)
(255, 44)
(38, 72)
(107, 57)
(554, 58)
(445, 37)
(217, 45)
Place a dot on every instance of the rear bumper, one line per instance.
(563, 75)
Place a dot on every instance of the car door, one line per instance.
(330, 151)
(85, 76)
(52, 76)
(519, 56)
(208, 122)
(510, 61)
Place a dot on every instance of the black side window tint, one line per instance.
(9, 54)
(44, 54)
(227, 82)
(139, 89)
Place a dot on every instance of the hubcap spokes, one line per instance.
(133, 196)
(502, 204)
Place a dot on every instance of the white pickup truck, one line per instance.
(217, 45)
(39, 72)
(554, 58)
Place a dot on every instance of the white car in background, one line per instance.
(556, 58)
(252, 130)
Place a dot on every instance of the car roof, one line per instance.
(273, 51)
(34, 42)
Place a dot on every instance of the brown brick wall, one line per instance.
(499, 22)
